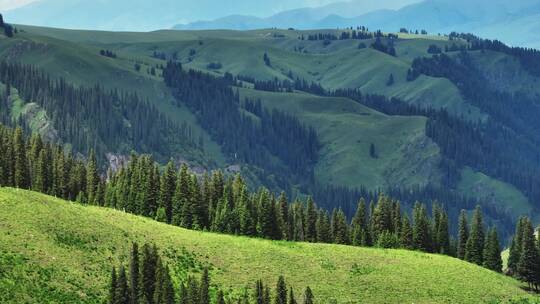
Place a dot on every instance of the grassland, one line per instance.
(54, 251)
(404, 155)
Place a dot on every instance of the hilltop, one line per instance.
(58, 251)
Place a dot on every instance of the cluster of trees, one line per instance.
(94, 118)
(529, 57)
(29, 163)
(434, 49)
(107, 53)
(387, 47)
(406, 31)
(347, 35)
(506, 145)
(148, 280)
(8, 28)
(218, 109)
(524, 257)
(225, 205)
(286, 85)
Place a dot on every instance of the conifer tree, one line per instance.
(92, 178)
(311, 221)
(281, 291)
(529, 263)
(421, 229)
(340, 231)
(463, 235)
(359, 225)
(443, 236)
(308, 296)
(515, 248)
(134, 273)
(292, 299)
(492, 252)
(122, 288)
(259, 292)
(113, 287)
(21, 176)
(323, 227)
(205, 288)
(475, 243)
(406, 234)
(167, 189)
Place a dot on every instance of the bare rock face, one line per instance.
(116, 161)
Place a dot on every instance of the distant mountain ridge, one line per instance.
(516, 23)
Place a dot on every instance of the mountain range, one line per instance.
(516, 23)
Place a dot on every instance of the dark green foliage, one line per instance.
(474, 252)
(406, 234)
(463, 235)
(421, 229)
(515, 248)
(528, 267)
(292, 299)
(492, 251)
(122, 288)
(134, 273)
(340, 230)
(308, 296)
(281, 291)
(204, 297)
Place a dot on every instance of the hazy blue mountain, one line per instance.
(141, 15)
(515, 22)
(302, 18)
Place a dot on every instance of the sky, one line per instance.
(11, 4)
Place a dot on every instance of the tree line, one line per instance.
(226, 205)
(524, 257)
(147, 279)
(94, 118)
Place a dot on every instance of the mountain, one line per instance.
(58, 251)
(514, 23)
(137, 15)
(302, 18)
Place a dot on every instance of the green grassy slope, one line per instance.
(347, 129)
(56, 251)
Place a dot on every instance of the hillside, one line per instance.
(58, 251)
(407, 156)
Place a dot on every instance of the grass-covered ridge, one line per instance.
(56, 251)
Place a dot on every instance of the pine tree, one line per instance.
(308, 296)
(122, 288)
(529, 263)
(167, 189)
(281, 291)
(92, 178)
(259, 292)
(134, 273)
(340, 231)
(205, 288)
(492, 252)
(421, 229)
(406, 234)
(463, 235)
(21, 176)
(475, 243)
(359, 224)
(515, 248)
(311, 221)
(292, 299)
(443, 236)
(324, 234)
(113, 287)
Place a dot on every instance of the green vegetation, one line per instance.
(58, 251)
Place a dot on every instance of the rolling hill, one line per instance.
(407, 157)
(57, 251)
